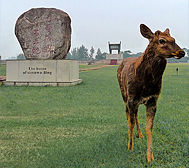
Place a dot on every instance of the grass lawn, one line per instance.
(85, 66)
(85, 125)
(2, 70)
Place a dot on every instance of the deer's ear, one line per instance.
(166, 31)
(146, 32)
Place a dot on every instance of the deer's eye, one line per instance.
(161, 41)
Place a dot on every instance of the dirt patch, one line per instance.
(95, 68)
(106, 62)
(2, 78)
(100, 62)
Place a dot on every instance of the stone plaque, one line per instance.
(25, 72)
(44, 33)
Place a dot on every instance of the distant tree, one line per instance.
(99, 55)
(138, 54)
(80, 53)
(74, 53)
(128, 53)
(173, 60)
(12, 58)
(103, 56)
(21, 56)
(91, 53)
(69, 56)
(187, 51)
(83, 53)
(0, 57)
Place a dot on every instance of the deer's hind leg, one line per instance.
(131, 117)
(138, 127)
(137, 122)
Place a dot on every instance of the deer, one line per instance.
(140, 81)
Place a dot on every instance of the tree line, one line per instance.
(83, 54)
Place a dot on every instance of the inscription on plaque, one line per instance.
(37, 71)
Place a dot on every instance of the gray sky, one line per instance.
(95, 22)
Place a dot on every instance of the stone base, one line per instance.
(42, 73)
(41, 83)
(114, 56)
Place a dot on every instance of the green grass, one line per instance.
(85, 125)
(2, 70)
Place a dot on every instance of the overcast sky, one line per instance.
(95, 22)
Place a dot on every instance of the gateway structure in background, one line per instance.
(44, 35)
(114, 57)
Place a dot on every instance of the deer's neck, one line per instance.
(152, 66)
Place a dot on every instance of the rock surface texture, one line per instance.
(44, 33)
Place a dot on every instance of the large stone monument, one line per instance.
(44, 35)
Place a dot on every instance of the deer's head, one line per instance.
(162, 42)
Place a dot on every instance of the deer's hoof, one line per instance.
(140, 136)
(150, 158)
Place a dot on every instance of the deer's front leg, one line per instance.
(150, 114)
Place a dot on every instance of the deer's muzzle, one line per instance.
(179, 54)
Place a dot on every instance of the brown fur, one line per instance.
(140, 80)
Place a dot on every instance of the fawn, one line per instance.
(140, 80)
